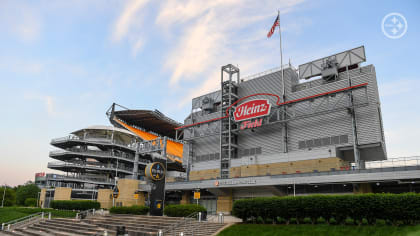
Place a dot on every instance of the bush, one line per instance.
(183, 210)
(30, 202)
(362, 209)
(135, 210)
(26, 191)
(74, 204)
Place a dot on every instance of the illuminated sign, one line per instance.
(252, 109)
(155, 171)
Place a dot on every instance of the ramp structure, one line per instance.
(148, 125)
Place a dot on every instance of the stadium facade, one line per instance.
(315, 129)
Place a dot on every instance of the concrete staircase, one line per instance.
(135, 225)
(150, 225)
(59, 227)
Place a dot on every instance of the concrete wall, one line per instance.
(62, 193)
(304, 166)
(225, 203)
(127, 188)
(105, 198)
(42, 197)
(185, 199)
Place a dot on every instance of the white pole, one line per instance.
(4, 194)
(294, 189)
(281, 59)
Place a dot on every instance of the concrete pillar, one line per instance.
(105, 198)
(136, 166)
(185, 198)
(127, 188)
(362, 188)
(62, 193)
(225, 202)
(42, 197)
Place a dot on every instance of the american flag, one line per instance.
(273, 28)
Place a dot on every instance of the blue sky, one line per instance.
(63, 63)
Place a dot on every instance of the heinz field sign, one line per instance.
(252, 109)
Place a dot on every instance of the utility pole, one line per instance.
(4, 194)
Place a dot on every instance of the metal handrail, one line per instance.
(88, 164)
(86, 213)
(94, 139)
(94, 152)
(12, 224)
(185, 221)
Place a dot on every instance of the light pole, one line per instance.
(4, 194)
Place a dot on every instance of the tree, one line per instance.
(10, 196)
(26, 191)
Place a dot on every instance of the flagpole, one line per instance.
(281, 60)
(285, 149)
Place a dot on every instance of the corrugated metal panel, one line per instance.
(270, 139)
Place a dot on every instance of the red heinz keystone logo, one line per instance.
(252, 109)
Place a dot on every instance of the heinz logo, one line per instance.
(252, 109)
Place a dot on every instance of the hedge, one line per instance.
(135, 210)
(183, 210)
(74, 204)
(393, 208)
(30, 202)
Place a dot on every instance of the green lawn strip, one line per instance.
(321, 230)
(11, 213)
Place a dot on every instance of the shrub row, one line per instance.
(183, 210)
(74, 204)
(135, 210)
(31, 202)
(394, 208)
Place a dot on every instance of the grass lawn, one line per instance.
(11, 213)
(315, 230)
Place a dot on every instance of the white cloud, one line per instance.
(212, 36)
(137, 47)
(127, 18)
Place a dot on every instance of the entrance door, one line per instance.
(210, 205)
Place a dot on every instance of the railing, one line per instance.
(94, 139)
(192, 223)
(250, 77)
(91, 212)
(88, 164)
(94, 152)
(394, 162)
(23, 221)
(187, 222)
(82, 178)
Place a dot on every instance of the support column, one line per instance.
(105, 198)
(362, 188)
(62, 193)
(185, 199)
(42, 197)
(225, 203)
(127, 189)
(136, 166)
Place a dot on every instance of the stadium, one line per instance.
(286, 131)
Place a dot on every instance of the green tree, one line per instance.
(26, 191)
(10, 196)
